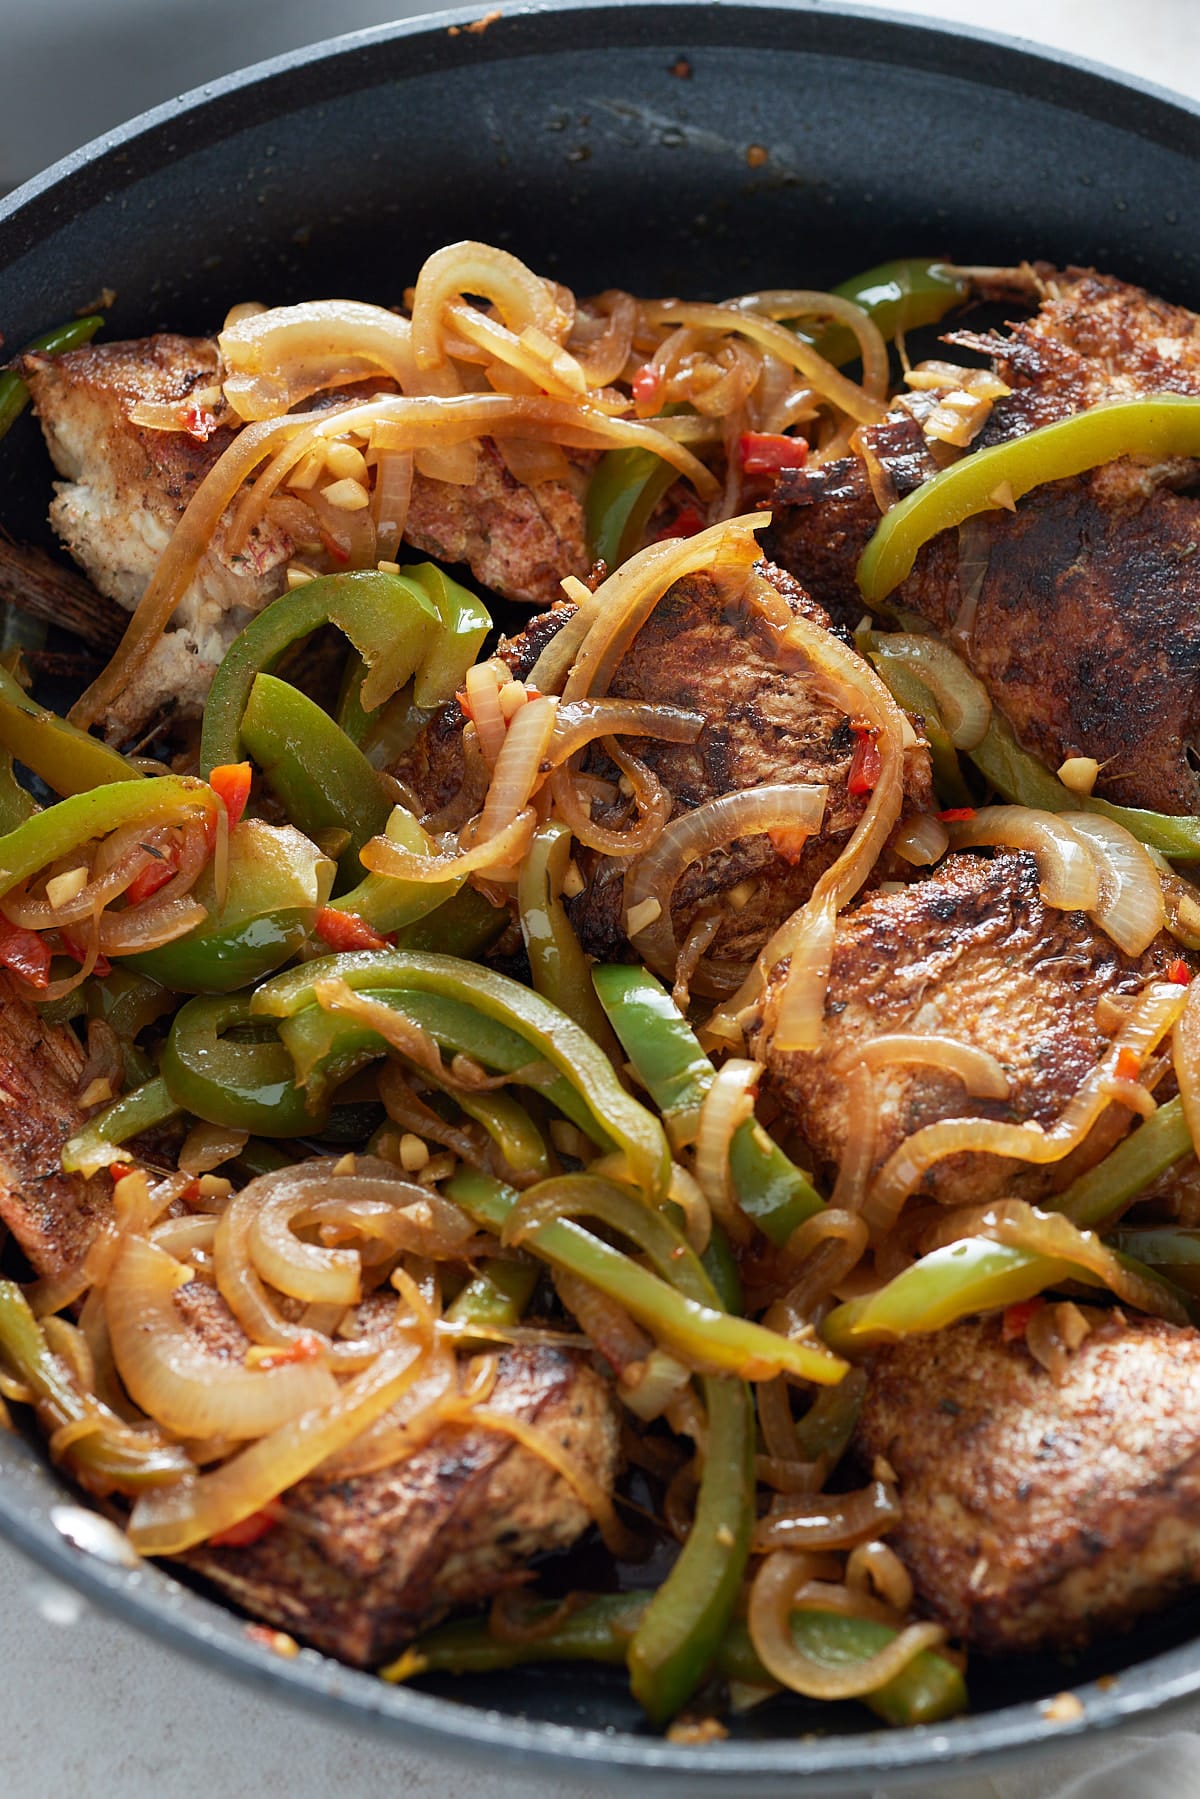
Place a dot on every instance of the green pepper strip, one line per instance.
(327, 1048)
(1167, 1250)
(1137, 1160)
(276, 882)
(323, 781)
(48, 835)
(974, 1275)
(625, 487)
(916, 698)
(245, 1086)
(67, 759)
(462, 926)
(387, 618)
(465, 623)
(16, 803)
(93, 1147)
(14, 393)
(496, 1295)
(927, 1691)
(1157, 426)
(900, 296)
(677, 1636)
(561, 972)
(677, 1074)
(548, 1033)
(1017, 775)
(114, 1458)
(691, 1326)
(387, 904)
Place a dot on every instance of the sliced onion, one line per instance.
(520, 767)
(922, 840)
(727, 1105)
(390, 499)
(497, 856)
(978, 1069)
(826, 1520)
(521, 297)
(573, 803)
(963, 702)
(188, 1513)
(692, 835)
(545, 364)
(1158, 1007)
(275, 359)
(1186, 1057)
(608, 1326)
(604, 353)
(170, 1376)
(782, 1586)
(1132, 910)
(876, 1566)
(581, 722)
(801, 303)
(1182, 902)
(1069, 879)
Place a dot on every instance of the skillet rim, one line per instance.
(29, 1491)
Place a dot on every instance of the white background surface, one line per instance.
(87, 1708)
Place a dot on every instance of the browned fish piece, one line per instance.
(357, 1566)
(706, 648)
(1083, 626)
(1040, 1515)
(53, 1216)
(973, 953)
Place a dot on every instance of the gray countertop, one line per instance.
(87, 1707)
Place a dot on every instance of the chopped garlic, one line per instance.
(512, 697)
(298, 575)
(96, 1093)
(61, 889)
(414, 1152)
(308, 470)
(344, 461)
(388, 568)
(1079, 773)
(640, 916)
(573, 881)
(347, 1165)
(347, 495)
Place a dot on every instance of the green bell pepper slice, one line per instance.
(496, 1295)
(974, 1275)
(388, 619)
(67, 759)
(598, 1628)
(322, 779)
(96, 1145)
(561, 972)
(14, 393)
(1156, 1145)
(900, 296)
(677, 1074)
(16, 802)
(389, 905)
(463, 926)
(624, 489)
(277, 882)
(246, 1086)
(547, 1033)
(1156, 426)
(74, 821)
(465, 623)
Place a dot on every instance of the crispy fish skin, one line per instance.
(357, 1566)
(1084, 628)
(1036, 1515)
(973, 953)
(53, 1216)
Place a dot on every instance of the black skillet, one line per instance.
(611, 145)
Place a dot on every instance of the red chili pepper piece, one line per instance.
(198, 422)
(865, 763)
(788, 842)
(154, 876)
(1016, 1317)
(1179, 972)
(684, 524)
(119, 1170)
(645, 388)
(766, 454)
(333, 549)
(346, 930)
(25, 953)
(954, 815)
(304, 1349)
(231, 784)
(246, 1531)
(74, 947)
(1129, 1065)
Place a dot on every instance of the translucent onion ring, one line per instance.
(170, 1376)
(581, 722)
(979, 1071)
(1131, 909)
(1157, 1009)
(497, 856)
(827, 1521)
(809, 303)
(521, 297)
(1068, 877)
(727, 1104)
(962, 699)
(782, 1586)
(692, 835)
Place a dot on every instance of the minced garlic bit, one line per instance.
(414, 1152)
(1079, 773)
(347, 1165)
(298, 575)
(344, 461)
(61, 889)
(739, 897)
(573, 881)
(1064, 1708)
(882, 1469)
(388, 568)
(512, 698)
(308, 470)
(347, 495)
(575, 590)
(215, 1186)
(96, 1093)
(978, 1574)
(638, 917)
